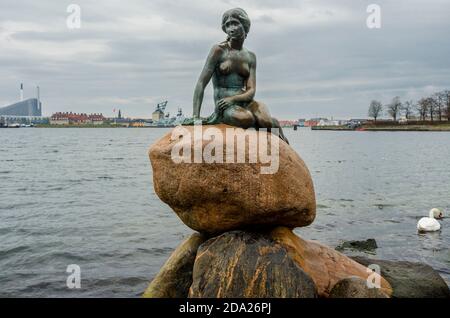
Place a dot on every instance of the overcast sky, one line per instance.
(315, 58)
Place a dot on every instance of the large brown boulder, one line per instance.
(323, 264)
(241, 264)
(218, 197)
(175, 277)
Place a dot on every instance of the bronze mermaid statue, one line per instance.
(233, 71)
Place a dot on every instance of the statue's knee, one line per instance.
(265, 123)
(243, 119)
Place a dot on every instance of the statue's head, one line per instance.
(236, 23)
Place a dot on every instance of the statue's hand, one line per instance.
(224, 103)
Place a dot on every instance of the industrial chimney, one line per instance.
(38, 96)
(21, 91)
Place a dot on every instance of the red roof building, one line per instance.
(69, 118)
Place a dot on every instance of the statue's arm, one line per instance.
(205, 77)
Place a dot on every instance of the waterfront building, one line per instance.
(326, 122)
(69, 118)
(140, 122)
(137, 123)
(158, 114)
(124, 122)
(59, 119)
(96, 119)
(358, 120)
(288, 123)
(179, 119)
(28, 111)
(31, 107)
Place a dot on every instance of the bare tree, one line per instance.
(422, 108)
(443, 104)
(394, 107)
(432, 107)
(408, 108)
(438, 103)
(446, 95)
(375, 109)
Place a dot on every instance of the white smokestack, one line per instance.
(21, 91)
(38, 97)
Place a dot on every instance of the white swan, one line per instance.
(437, 214)
(429, 224)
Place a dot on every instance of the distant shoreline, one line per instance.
(366, 127)
(439, 127)
(98, 126)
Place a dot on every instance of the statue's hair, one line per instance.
(239, 14)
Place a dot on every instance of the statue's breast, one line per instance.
(235, 65)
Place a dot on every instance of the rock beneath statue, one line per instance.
(410, 279)
(323, 264)
(222, 196)
(175, 277)
(241, 264)
(355, 287)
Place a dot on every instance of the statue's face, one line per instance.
(234, 29)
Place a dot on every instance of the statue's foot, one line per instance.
(276, 125)
(283, 137)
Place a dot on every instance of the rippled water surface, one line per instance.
(85, 196)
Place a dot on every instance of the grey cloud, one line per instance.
(330, 67)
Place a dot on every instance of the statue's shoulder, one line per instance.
(252, 56)
(221, 46)
(217, 50)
